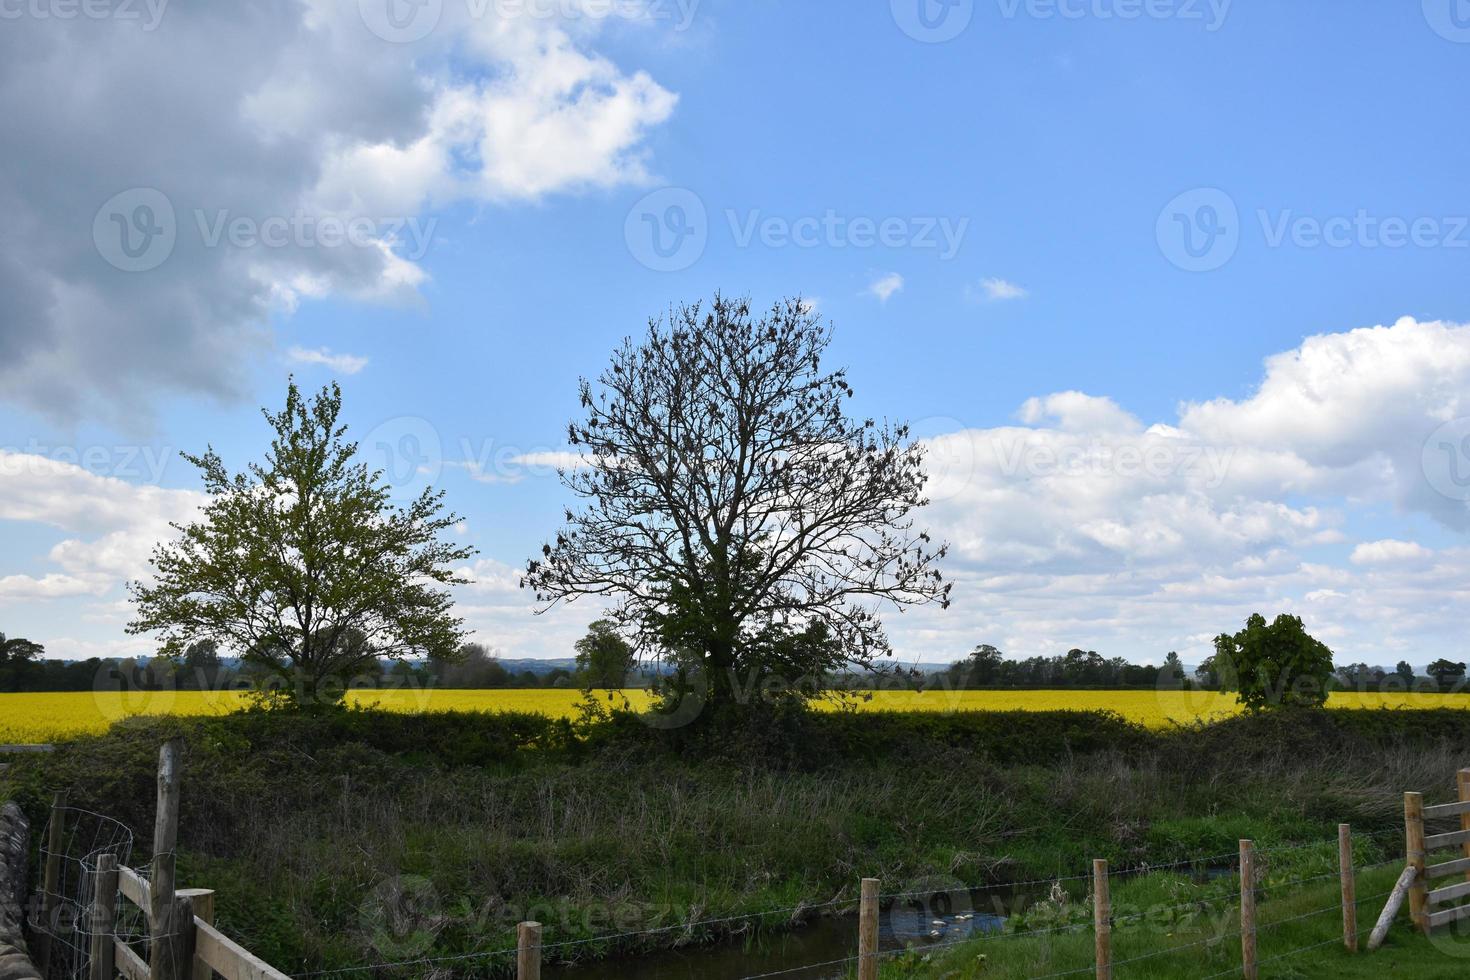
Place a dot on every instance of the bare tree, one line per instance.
(728, 499)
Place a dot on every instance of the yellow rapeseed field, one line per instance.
(30, 718)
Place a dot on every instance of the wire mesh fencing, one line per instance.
(72, 843)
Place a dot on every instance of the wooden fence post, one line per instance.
(1102, 919)
(868, 930)
(1349, 887)
(51, 876)
(171, 954)
(528, 951)
(104, 919)
(203, 899)
(1248, 910)
(1462, 779)
(1414, 855)
(163, 964)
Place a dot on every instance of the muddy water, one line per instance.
(810, 951)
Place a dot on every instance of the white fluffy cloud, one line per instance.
(111, 525)
(1085, 525)
(1388, 552)
(255, 154)
(1079, 525)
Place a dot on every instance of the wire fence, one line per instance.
(76, 839)
(1226, 863)
(72, 843)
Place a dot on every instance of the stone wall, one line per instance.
(15, 837)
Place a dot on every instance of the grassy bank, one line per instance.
(1170, 927)
(309, 828)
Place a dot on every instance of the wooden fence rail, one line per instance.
(184, 943)
(1429, 907)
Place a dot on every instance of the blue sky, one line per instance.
(1033, 177)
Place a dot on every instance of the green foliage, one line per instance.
(986, 667)
(18, 662)
(303, 565)
(297, 820)
(1447, 673)
(604, 659)
(1274, 666)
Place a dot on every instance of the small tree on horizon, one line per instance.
(743, 525)
(604, 659)
(1446, 673)
(303, 565)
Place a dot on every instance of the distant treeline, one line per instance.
(23, 668)
(987, 668)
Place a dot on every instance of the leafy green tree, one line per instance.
(1275, 666)
(727, 495)
(984, 665)
(1405, 671)
(476, 667)
(303, 564)
(1171, 674)
(1446, 673)
(19, 662)
(604, 659)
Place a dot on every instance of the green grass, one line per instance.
(300, 823)
(1299, 934)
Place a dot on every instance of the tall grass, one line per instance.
(306, 827)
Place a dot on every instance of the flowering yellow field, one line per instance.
(30, 718)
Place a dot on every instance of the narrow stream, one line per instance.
(940, 917)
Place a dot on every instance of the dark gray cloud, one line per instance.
(131, 147)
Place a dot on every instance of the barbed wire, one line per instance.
(131, 924)
(799, 969)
